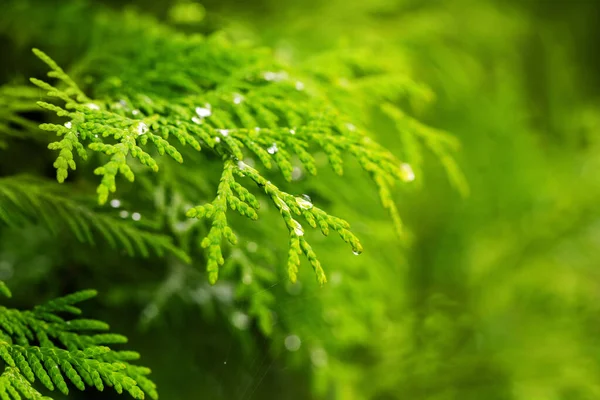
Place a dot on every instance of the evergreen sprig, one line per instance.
(25, 200)
(235, 101)
(40, 344)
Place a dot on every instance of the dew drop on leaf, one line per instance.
(406, 172)
(280, 203)
(303, 203)
(273, 149)
(238, 98)
(142, 128)
(203, 112)
(298, 228)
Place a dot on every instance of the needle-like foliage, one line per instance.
(235, 102)
(42, 345)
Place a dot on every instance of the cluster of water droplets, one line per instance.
(116, 203)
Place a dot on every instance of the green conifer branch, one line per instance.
(42, 345)
(25, 200)
(235, 102)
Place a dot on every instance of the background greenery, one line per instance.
(492, 296)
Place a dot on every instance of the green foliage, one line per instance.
(40, 344)
(27, 200)
(237, 108)
(14, 101)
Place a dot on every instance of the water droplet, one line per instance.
(142, 128)
(135, 112)
(123, 103)
(292, 342)
(223, 292)
(252, 247)
(318, 357)
(303, 203)
(257, 129)
(93, 106)
(218, 139)
(356, 252)
(406, 172)
(238, 98)
(136, 216)
(293, 131)
(124, 214)
(95, 135)
(280, 203)
(299, 85)
(247, 279)
(242, 165)
(150, 312)
(335, 278)
(240, 320)
(224, 132)
(275, 76)
(297, 228)
(115, 203)
(306, 197)
(196, 120)
(351, 127)
(203, 112)
(273, 149)
(296, 173)
(68, 125)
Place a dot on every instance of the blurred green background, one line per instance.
(494, 295)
